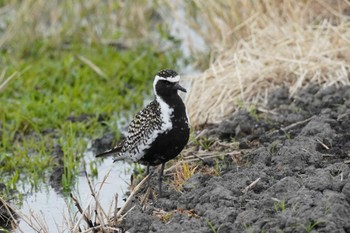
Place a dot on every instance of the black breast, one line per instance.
(169, 144)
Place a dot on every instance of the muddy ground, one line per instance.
(295, 154)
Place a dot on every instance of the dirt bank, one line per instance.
(296, 159)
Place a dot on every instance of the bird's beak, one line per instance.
(178, 87)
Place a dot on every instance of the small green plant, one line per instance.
(240, 103)
(73, 149)
(205, 143)
(138, 169)
(248, 228)
(166, 217)
(138, 173)
(12, 183)
(212, 227)
(311, 225)
(93, 168)
(252, 110)
(273, 148)
(217, 167)
(280, 206)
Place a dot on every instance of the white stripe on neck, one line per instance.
(167, 113)
(166, 110)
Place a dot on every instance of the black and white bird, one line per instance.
(160, 131)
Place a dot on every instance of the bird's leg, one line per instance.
(147, 172)
(160, 179)
(148, 192)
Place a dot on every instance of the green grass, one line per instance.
(311, 225)
(212, 227)
(56, 83)
(280, 206)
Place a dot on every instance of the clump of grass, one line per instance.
(309, 227)
(212, 227)
(279, 205)
(256, 46)
(182, 173)
(204, 143)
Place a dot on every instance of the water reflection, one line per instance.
(52, 207)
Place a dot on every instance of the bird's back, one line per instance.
(142, 131)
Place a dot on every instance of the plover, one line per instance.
(160, 131)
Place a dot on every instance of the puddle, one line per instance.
(51, 207)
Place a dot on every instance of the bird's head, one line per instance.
(166, 82)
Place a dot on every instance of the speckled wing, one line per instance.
(142, 131)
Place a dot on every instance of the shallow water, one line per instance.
(51, 207)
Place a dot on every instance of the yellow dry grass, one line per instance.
(257, 46)
(183, 173)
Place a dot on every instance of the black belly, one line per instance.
(167, 145)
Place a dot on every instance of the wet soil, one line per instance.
(293, 174)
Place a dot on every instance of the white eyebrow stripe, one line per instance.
(170, 79)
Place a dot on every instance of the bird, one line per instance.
(160, 131)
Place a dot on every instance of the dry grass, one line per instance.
(7, 214)
(121, 23)
(182, 173)
(257, 46)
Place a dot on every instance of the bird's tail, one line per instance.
(105, 153)
(113, 151)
